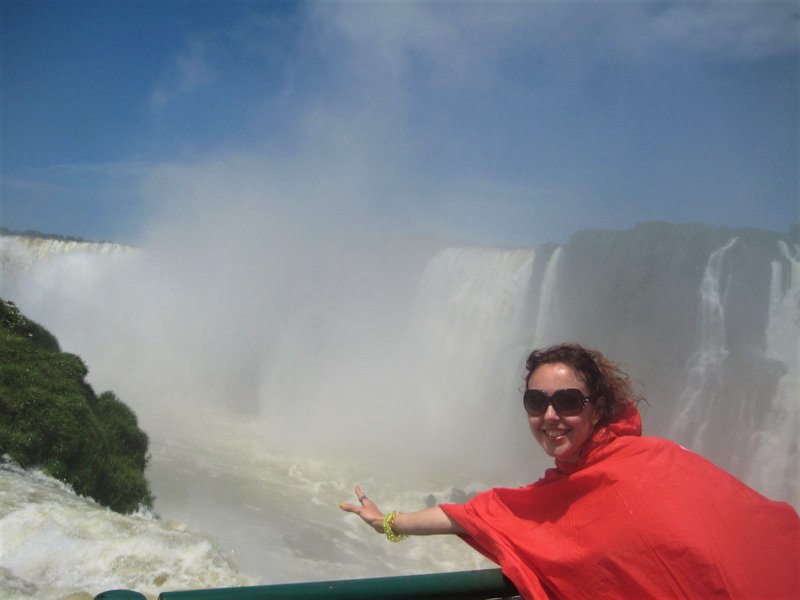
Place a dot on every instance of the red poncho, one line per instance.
(637, 517)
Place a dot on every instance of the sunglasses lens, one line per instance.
(535, 402)
(566, 403)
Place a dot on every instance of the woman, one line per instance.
(620, 515)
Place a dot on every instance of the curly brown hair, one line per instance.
(603, 378)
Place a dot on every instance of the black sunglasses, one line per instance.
(567, 403)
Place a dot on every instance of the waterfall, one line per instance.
(467, 314)
(783, 337)
(471, 297)
(705, 366)
(21, 252)
(463, 351)
(547, 302)
(774, 467)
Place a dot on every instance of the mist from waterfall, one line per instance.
(366, 342)
(351, 345)
(378, 368)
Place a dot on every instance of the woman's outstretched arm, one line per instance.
(429, 521)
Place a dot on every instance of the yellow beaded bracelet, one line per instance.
(387, 528)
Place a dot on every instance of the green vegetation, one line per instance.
(51, 418)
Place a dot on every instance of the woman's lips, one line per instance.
(555, 433)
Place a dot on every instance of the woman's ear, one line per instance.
(599, 407)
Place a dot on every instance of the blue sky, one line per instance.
(498, 122)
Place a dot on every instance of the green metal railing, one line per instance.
(464, 585)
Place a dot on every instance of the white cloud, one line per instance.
(735, 30)
(191, 70)
(393, 82)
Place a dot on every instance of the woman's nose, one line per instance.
(550, 413)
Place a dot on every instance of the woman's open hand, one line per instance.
(428, 521)
(366, 509)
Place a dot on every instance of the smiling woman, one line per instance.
(651, 518)
(571, 393)
(560, 413)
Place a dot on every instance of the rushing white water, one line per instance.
(697, 400)
(279, 515)
(780, 433)
(54, 544)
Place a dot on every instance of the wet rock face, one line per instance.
(695, 313)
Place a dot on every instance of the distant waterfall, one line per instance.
(775, 465)
(463, 356)
(547, 302)
(19, 252)
(65, 285)
(783, 330)
(470, 301)
(705, 367)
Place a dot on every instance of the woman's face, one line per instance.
(560, 437)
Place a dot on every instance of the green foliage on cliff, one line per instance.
(51, 418)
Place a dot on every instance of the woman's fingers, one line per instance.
(362, 499)
(366, 509)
